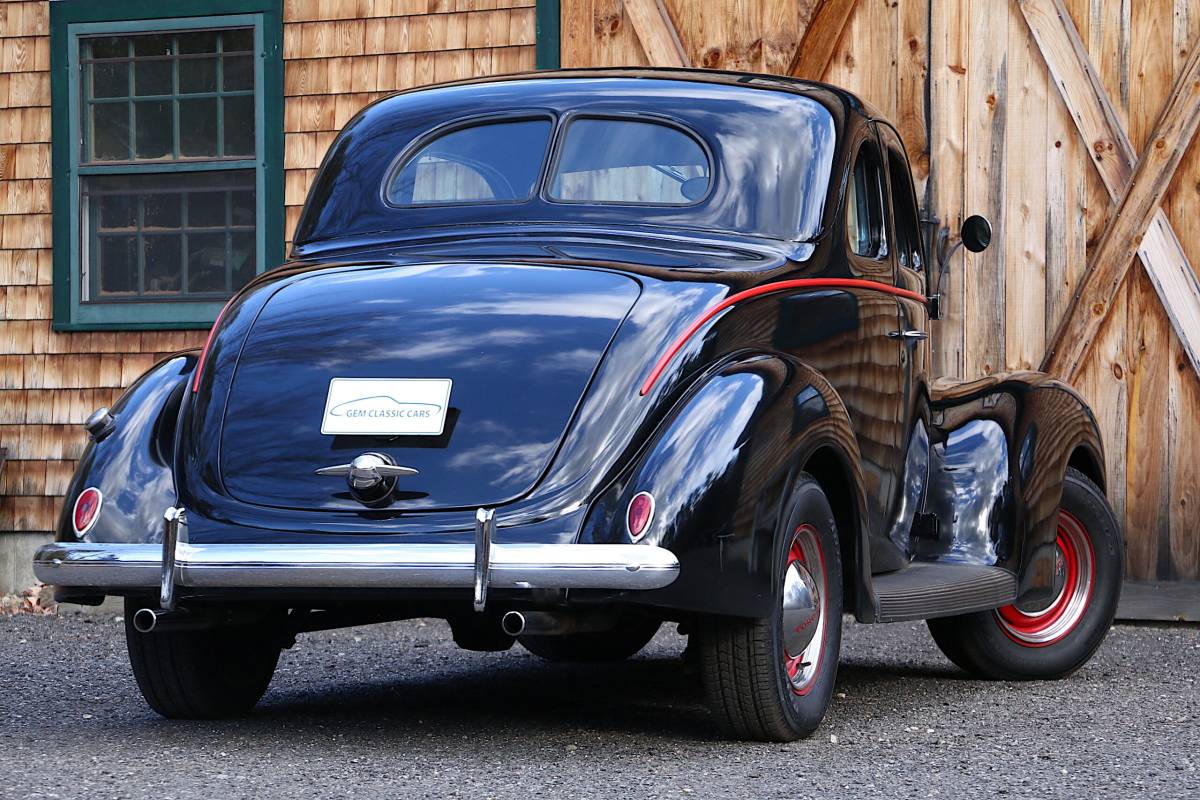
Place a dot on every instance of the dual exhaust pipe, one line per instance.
(161, 620)
(555, 623)
(513, 623)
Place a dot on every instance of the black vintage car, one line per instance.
(563, 356)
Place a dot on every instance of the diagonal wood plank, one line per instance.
(1137, 188)
(657, 33)
(820, 41)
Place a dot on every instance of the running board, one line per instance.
(924, 589)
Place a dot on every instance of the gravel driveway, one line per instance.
(397, 710)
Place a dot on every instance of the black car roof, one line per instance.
(755, 134)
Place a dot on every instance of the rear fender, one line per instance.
(132, 465)
(720, 468)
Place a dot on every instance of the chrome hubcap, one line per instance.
(804, 614)
(801, 609)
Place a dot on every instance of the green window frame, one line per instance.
(72, 22)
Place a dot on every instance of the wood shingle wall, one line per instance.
(339, 55)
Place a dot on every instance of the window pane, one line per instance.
(238, 39)
(239, 126)
(107, 47)
(110, 80)
(243, 257)
(177, 224)
(198, 75)
(198, 128)
(243, 211)
(206, 262)
(154, 44)
(498, 161)
(110, 132)
(206, 210)
(161, 210)
(239, 73)
(904, 212)
(151, 77)
(117, 212)
(198, 42)
(152, 120)
(864, 205)
(118, 254)
(618, 161)
(163, 260)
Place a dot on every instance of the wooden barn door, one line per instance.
(1062, 121)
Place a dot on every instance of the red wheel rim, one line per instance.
(803, 668)
(1076, 563)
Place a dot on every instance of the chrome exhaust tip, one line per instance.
(145, 619)
(513, 623)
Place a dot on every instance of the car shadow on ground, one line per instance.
(656, 695)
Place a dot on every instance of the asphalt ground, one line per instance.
(397, 710)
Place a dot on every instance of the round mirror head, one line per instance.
(976, 233)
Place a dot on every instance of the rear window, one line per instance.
(625, 161)
(489, 163)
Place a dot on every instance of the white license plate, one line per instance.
(386, 406)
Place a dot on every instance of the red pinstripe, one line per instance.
(769, 288)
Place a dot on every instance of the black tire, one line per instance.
(989, 645)
(623, 641)
(200, 674)
(746, 669)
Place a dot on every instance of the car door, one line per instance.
(912, 333)
(873, 387)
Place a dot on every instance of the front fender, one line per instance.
(720, 467)
(132, 465)
(1001, 448)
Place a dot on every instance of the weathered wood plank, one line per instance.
(1082, 92)
(986, 189)
(950, 26)
(1104, 383)
(1137, 209)
(1146, 448)
(821, 39)
(912, 66)
(1151, 66)
(1025, 210)
(1161, 600)
(1183, 466)
(660, 40)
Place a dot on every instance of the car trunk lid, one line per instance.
(515, 346)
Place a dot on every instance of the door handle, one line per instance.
(908, 336)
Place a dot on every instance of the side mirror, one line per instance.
(976, 233)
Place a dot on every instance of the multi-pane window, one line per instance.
(169, 96)
(167, 149)
(156, 103)
(155, 236)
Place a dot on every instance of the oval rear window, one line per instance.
(627, 161)
(497, 162)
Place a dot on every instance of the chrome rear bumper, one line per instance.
(388, 566)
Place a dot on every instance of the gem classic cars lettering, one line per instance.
(387, 406)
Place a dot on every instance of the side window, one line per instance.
(904, 208)
(865, 204)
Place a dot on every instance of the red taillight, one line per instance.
(637, 519)
(87, 510)
(207, 344)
